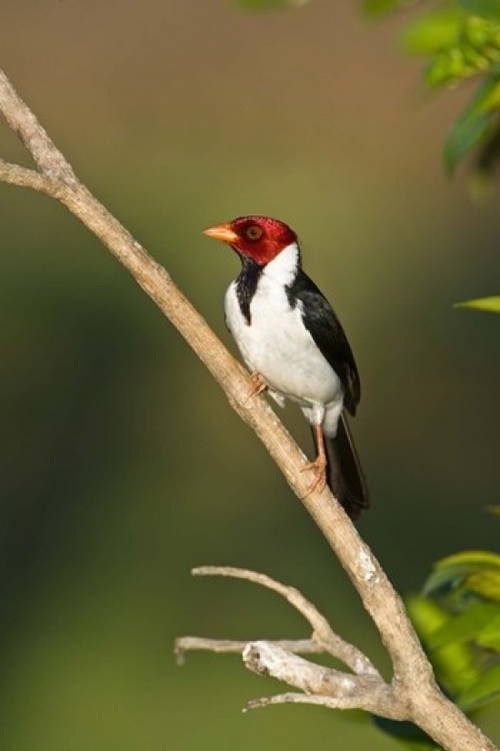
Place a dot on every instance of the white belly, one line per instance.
(278, 346)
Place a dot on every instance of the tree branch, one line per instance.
(192, 643)
(322, 633)
(369, 693)
(423, 702)
(291, 698)
(27, 178)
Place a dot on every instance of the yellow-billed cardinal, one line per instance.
(294, 345)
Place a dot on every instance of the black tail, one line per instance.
(344, 474)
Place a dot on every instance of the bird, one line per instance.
(295, 347)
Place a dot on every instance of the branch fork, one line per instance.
(362, 687)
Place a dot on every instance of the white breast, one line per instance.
(277, 344)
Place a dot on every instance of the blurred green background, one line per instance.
(121, 463)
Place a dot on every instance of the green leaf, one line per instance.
(490, 635)
(427, 615)
(456, 570)
(455, 664)
(484, 691)
(485, 8)
(486, 583)
(474, 122)
(433, 32)
(461, 45)
(467, 133)
(465, 626)
(491, 304)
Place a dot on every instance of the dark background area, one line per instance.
(121, 463)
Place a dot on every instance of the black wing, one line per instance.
(328, 334)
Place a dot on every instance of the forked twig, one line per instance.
(323, 635)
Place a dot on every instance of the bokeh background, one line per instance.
(121, 463)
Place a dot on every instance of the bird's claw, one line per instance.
(319, 481)
(258, 384)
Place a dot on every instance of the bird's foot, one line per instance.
(319, 482)
(258, 384)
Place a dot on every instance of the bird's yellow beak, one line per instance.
(222, 232)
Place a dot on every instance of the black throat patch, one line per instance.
(246, 284)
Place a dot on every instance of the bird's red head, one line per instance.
(259, 238)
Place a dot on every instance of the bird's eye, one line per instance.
(254, 232)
